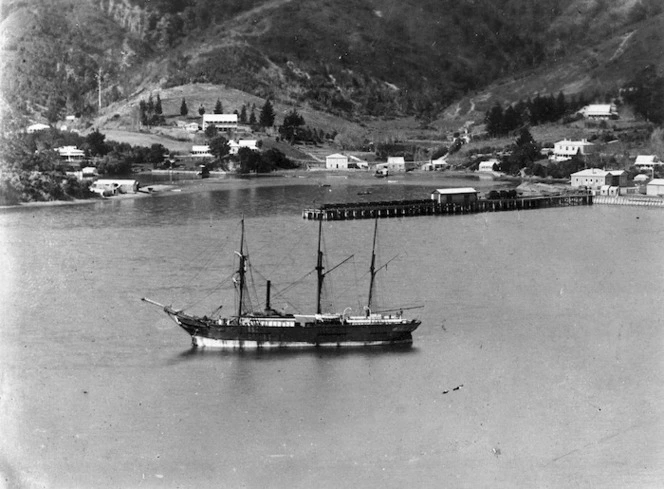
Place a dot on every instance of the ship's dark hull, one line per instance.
(209, 333)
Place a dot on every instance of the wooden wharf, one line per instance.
(430, 207)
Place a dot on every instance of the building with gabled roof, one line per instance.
(461, 195)
(566, 149)
(647, 161)
(223, 122)
(600, 111)
(595, 179)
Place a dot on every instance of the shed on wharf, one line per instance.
(463, 195)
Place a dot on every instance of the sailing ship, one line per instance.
(271, 328)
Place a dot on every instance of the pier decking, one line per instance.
(429, 207)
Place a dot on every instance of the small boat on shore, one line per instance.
(270, 328)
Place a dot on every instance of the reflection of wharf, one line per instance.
(428, 207)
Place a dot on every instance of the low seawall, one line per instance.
(406, 208)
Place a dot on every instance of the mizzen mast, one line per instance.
(372, 269)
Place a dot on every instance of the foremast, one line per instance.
(241, 280)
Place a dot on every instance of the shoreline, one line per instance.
(306, 177)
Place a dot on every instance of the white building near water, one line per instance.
(564, 150)
(655, 187)
(595, 179)
(223, 122)
(336, 161)
(463, 195)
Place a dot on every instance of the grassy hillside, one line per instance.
(354, 58)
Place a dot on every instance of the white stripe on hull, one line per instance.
(201, 341)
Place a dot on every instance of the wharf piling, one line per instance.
(429, 207)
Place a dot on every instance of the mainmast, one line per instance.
(241, 271)
(319, 268)
(372, 269)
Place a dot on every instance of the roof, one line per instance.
(656, 181)
(596, 172)
(219, 117)
(583, 142)
(646, 160)
(337, 155)
(70, 151)
(203, 147)
(599, 109)
(454, 191)
(396, 159)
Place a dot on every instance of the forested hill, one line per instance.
(351, 57)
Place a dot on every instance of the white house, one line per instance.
(595, 179)
(336, 161)
(600, 111)
(566, 149)
(71, 153)
(655, 187)
(201, 151)
(192, 127)
(463, 195)
(488, 165)
(242, 143)
(37, 127)
(223, 122)
(396, 164)
(647, 161)
(436, 165)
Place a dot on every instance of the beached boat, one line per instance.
(270, 328)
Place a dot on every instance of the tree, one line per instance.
(219, 147)
(95, 143)
(266, 118)
(201, 110)
(291, 129)
(218, 108)
(157, 106)
(494, 121)
(646, 94)
(252, 118)
(184, 110)
(211, 132)
(243, 114)
(250, 161)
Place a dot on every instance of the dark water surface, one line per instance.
(547, 322)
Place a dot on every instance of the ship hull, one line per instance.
(295, 333)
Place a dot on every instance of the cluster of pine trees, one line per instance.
(151, 112)
(540, 110)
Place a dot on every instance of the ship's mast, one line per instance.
(319, 268)
(241, 271)
(372, 269)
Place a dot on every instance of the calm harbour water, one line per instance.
(548, 322)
